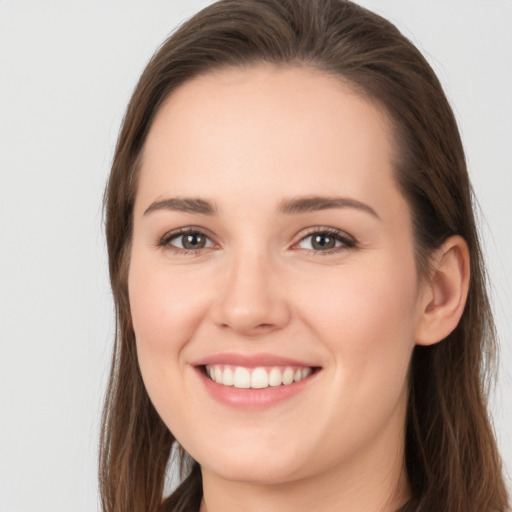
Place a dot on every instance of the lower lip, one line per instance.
(249, 398)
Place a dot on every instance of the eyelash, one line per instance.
(165, 241)
(347, 241)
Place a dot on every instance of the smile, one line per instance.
(260, 377)
(254, 381)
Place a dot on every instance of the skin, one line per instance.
(246, 141)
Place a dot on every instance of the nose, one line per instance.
(252, 299)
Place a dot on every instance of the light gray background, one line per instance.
(66, 73)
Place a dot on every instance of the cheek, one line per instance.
(165, 307)
(166, 310)
(366, 318)
(372, 298)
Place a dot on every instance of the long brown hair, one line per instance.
(451, 458)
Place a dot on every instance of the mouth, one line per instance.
(260, 377)
(254, 381)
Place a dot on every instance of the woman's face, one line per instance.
(273, 250)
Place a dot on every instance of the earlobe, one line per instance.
(445, 294)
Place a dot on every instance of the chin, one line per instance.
(253, 468)
(247, 473)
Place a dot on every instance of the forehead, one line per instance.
(291, 128)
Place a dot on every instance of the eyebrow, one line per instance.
(188, 205)
(315, 203)
(287, 206)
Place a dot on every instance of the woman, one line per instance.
(300, 294)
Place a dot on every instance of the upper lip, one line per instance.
(250, 360)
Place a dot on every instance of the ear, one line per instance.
(445, 293)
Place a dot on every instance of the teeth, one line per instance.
(217, 374)
(256, 378)
(305, 372)
(274, 377)
(288, 376)
(228, 378)
(241, 379)
(259, 378)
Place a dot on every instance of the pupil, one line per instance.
(323, 242)
(193, 241)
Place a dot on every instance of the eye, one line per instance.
(186, 241)
(326, 241)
